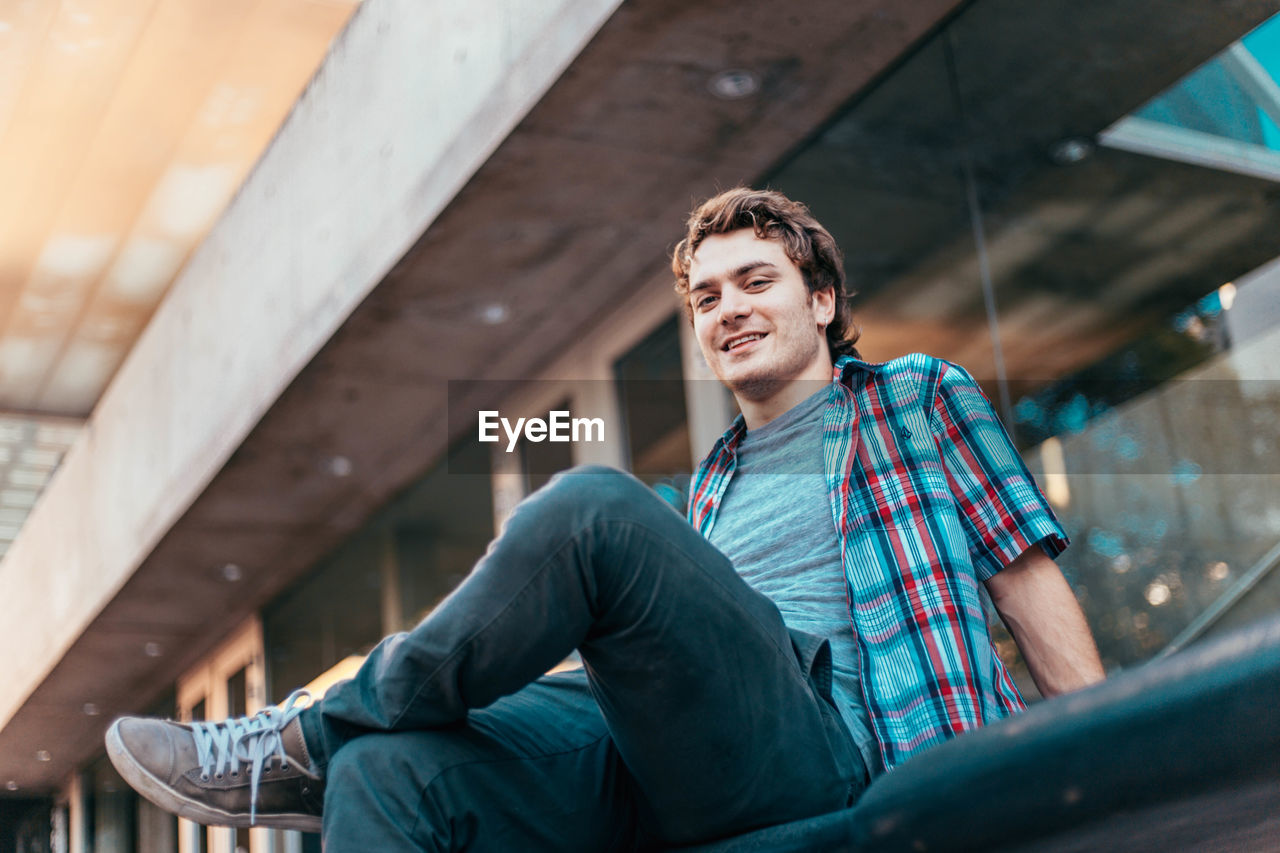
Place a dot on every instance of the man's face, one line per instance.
(756, 323)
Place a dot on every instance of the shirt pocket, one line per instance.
(899, 475)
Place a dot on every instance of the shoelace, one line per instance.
(251, 740)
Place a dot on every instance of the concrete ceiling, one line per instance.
(125, 128)
(572, 214)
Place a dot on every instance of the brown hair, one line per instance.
(773, 216)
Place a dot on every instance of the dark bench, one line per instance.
(1178, 754)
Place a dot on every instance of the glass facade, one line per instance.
(25, 825)
(1120, 302)
(651, 395)
(385, 578)
(1223, 115)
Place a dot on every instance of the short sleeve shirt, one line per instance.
(929, 497)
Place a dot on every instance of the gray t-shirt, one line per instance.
(775, 524)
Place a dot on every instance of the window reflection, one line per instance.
(652, 396)
(1137, 291)
(388, 576)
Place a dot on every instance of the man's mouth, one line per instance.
(742, 340)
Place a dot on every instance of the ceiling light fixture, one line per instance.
(231, 572)
(43, 755)
(1068, 152)
(90, 709)
(494, 314)
(733, 84)
(339, 466)
(152, 650)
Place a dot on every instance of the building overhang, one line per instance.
(297, 376)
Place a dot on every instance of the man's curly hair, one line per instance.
(773, 216)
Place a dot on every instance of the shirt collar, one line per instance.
(844, 371)
(846, 367)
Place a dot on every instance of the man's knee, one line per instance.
(599, 479)
(409, 759)
(364, 764)
(598, 488)
(374, 788)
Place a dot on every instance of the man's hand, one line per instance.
(1041, 612)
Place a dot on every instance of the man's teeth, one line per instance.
(740, 341)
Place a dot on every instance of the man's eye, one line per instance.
(705, 301)
(757, 282)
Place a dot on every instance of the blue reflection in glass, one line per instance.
(1210, 305)
(1155, 531)
(1128, 448)
(1105, 542)
(1185, 472)
(1073, 416)
(1029, 411)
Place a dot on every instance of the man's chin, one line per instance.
(753, 386)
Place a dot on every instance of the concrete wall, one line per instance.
(352, 180)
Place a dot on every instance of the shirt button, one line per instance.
(904, 433)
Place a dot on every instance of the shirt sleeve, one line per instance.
(1001, 508)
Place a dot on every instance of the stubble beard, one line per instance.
(770, 379)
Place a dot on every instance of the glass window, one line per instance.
(237, 693)
(1222, 115)
(1119, 302)
(442, 526)
(389, 575)
(333, 613)
(652, 402)
(110, 809)
(28, 825)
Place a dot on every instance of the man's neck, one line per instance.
(759, 411)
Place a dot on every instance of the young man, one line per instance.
(818, 623)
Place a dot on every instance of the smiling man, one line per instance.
(869, 501)
(818, 623)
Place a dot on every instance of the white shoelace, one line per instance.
(224, 745)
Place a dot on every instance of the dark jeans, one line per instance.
(698, 714)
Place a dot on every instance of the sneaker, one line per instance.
(247, 771)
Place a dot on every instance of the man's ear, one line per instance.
(824, 304)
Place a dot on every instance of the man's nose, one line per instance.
(734, 305)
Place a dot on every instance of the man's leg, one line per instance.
(695, 674)
(535, 771)
(721, 726)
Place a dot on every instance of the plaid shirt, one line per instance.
(929, 497)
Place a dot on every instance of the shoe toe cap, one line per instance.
(149, 744)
